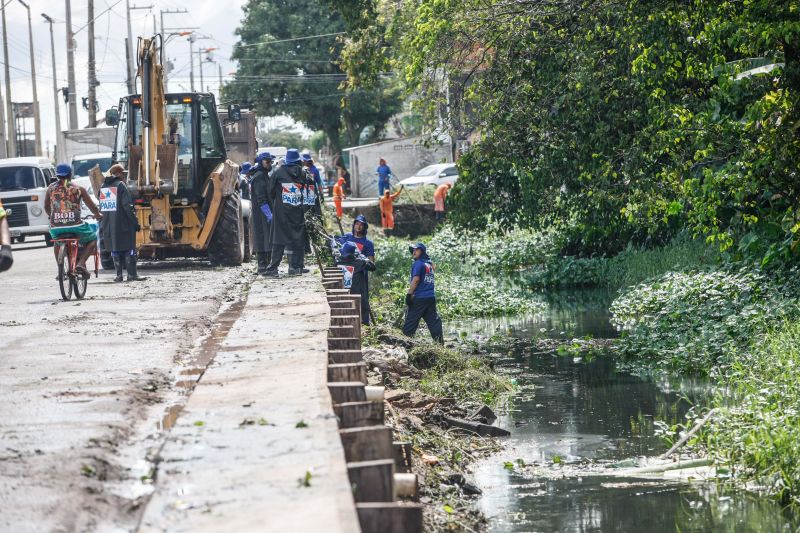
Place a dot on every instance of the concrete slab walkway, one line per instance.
(257, 447)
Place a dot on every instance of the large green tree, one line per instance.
(620, 121)
(281, 71)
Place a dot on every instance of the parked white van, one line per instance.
(23, 183)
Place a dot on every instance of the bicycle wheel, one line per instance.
(79, 284)
(64, 282)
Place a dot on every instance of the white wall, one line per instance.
(404, 157)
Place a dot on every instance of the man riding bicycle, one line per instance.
(62, 204)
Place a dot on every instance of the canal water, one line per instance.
(576, 412)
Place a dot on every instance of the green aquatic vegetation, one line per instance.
(463, 296)
(699, 321)
(471, 273)
(757, 427)
(631, 266)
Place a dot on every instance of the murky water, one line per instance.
(571, 411)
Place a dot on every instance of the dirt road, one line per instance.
(85, 386)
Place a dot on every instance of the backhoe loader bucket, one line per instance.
(167, 155)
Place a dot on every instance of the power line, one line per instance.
(292, 39)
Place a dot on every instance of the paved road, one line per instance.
(84, 386)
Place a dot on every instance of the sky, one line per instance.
(216, 19)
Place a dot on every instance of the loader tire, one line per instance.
(248, 239)
(227, 242)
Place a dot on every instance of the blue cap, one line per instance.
(292, 156)
(246, 166)
(63, 170)
(264, 156)
(418, 246)
(348, 248)
(307, 157)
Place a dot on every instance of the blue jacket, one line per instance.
(423, 267)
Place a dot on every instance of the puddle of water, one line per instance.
(199, 359)
(579, 410)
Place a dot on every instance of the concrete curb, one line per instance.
(236, 459)
(378, 468)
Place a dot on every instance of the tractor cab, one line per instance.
(192, 125)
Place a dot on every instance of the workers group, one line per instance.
(281, 196)
(280, 199)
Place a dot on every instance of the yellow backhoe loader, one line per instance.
(185, 189)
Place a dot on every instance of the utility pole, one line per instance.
(55, 81)
(219, 91)
(11, 137)
(132, 66)
(164, 37)
(73, 108)
(3, 146)
(200, 64)
(192, 39)
(92, 100)
(37, 127)
(128, 77)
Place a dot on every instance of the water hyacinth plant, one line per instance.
(471, 273)
(699, 321)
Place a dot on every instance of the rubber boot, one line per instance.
(118, 266)
(130, 263)
(262, 263)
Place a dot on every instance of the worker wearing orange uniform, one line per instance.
(338, 196)
(438, 199)
(387, 208)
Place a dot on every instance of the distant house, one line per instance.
(404, 157)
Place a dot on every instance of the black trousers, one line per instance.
(294, 251)
(365, 318)
(423, 308)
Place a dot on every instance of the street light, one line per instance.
(55, 82)
(37, 128)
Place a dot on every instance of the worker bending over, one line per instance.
(354, 271)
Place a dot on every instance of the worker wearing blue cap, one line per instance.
(244, 179)
(287, 193)
(262, 210)
(421, 295)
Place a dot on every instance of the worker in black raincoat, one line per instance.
(119, 224)
(262, 210)
(286, 190)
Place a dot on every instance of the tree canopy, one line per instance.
(619, 121)
(287, 56)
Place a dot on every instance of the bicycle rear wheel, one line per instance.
(79, 284)
(64, 281)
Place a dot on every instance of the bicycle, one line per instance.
(69, 279)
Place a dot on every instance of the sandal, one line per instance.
(83, 272)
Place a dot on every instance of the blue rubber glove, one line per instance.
(267, 212)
